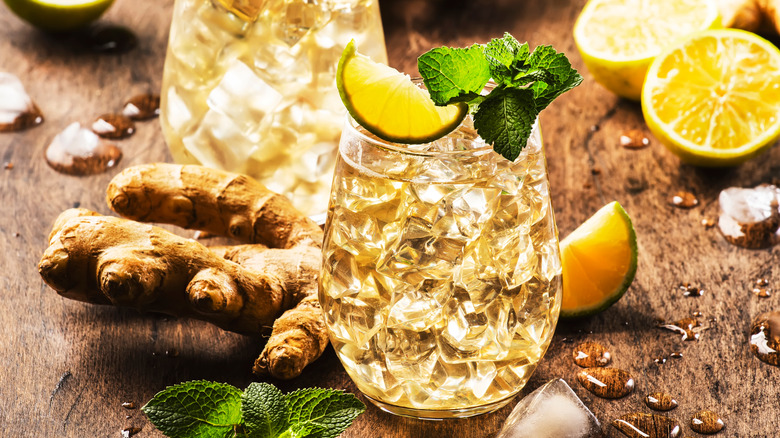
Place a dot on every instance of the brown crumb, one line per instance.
(8, 165)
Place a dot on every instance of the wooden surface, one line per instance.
(66, 367)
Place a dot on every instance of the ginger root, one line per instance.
(243, 288)
(762, 16)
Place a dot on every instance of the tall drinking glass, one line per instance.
(441, 280)
(249, 86)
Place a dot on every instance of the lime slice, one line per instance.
(389, 105)
(618, 39)
(599, 262)
(714, 99)
(58, 15)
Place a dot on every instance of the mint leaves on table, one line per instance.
(217, 410)
(526, 83)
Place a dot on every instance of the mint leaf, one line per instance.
(505, 119)
(454, 75)
(502, 55)
(527, 82)
(196, 409)
(561, 76)
(264, 411)
(321, 413)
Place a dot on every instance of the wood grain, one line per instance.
(66, 368)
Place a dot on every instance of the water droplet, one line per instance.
(676, 355)
(130, 431)
(750, 217)
(708, 223)
(688, 327)
(634, 139)
(113, 126)
(17, 110)
(79, 151)
(142, 107)
(660, 360)
(660, 401)
(606, 382)
(684, 199)
(591, 354)
(690, 290)
(706, 422)
(128, 405)
(110, 39)
(637, 425)
(765, 337)
(762, 289)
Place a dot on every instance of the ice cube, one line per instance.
(299, 17)
(219, 143)
(246, 10)
(750, 217)
(244, 98)
(747, 205)
(553, 410)
(13, 98)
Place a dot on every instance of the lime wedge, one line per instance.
(599, 262)
(714, 98)
(58, 15)
(389, 105)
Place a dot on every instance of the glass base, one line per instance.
(441, 414)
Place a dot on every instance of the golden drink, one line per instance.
(249, 86)
(442, 277)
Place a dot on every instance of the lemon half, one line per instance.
(618, 39)
(714, 99)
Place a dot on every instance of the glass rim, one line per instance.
(401, 148)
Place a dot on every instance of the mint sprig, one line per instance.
(216, 410)
(526, 83)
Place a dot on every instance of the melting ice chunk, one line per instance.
(17, 110)
(553, 411)
(750, 217)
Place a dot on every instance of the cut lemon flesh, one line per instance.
(59, 15)
(599, 262)
(389, 105)
(714, 99)
(618, 39)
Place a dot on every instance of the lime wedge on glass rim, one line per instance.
(389, 104)
(58, 15)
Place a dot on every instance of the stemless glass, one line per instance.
(250, 86)
(441, 276)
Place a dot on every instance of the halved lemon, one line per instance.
(618, 39)
(714, 99)
(599, 262)
(58, 15)
(389, 105)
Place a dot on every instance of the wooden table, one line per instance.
(66, 368)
